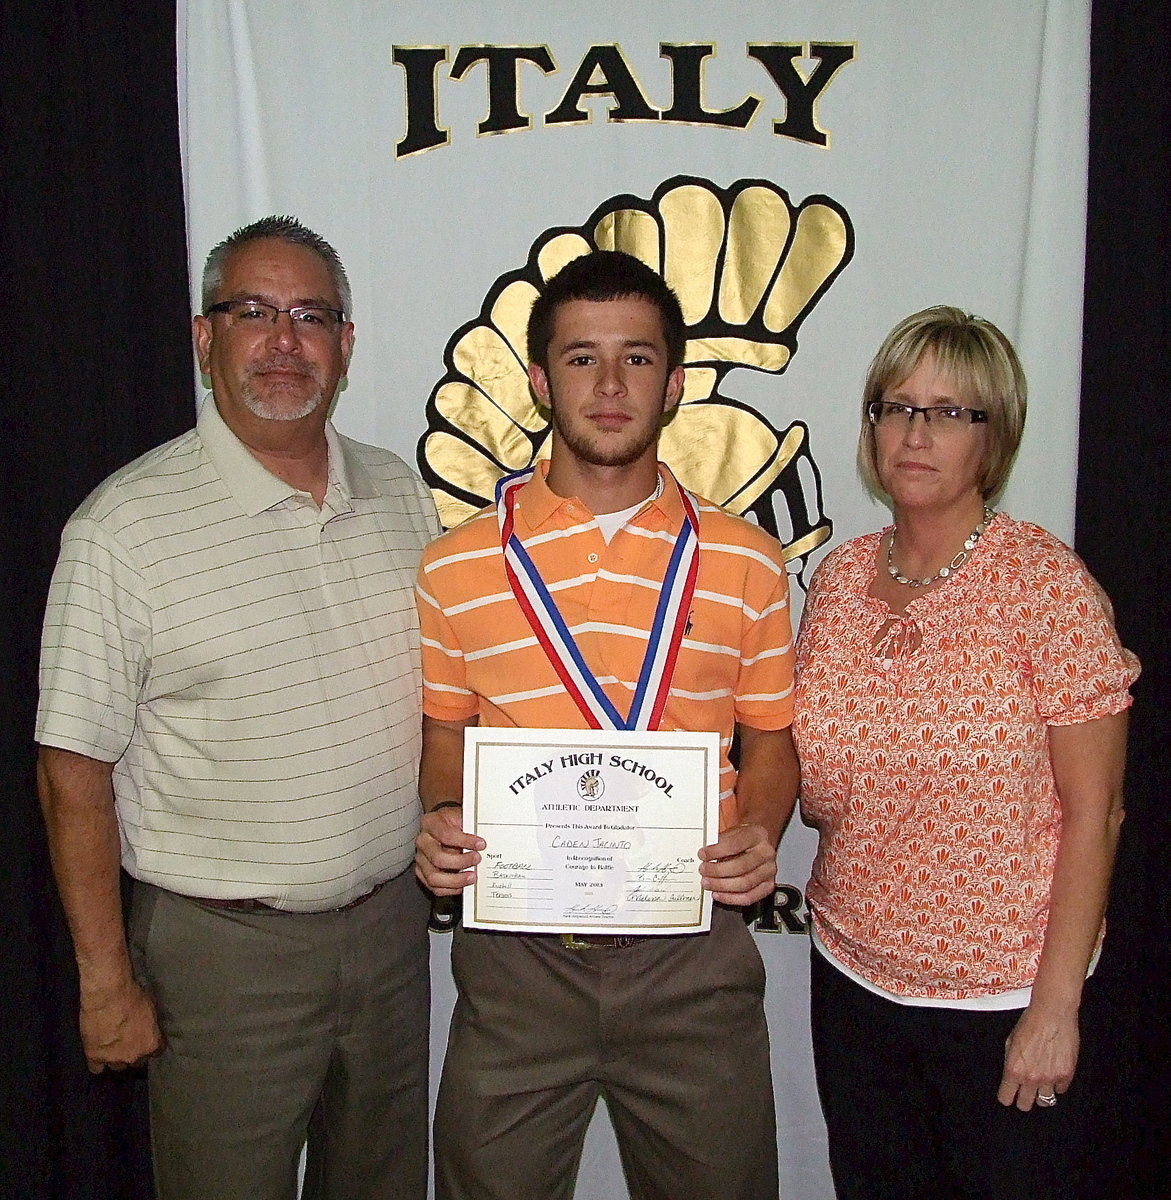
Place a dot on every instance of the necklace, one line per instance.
(943, 572)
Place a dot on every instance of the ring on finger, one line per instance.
(1046, 1099)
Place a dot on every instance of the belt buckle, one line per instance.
(598, 941)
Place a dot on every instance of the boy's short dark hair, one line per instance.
(606, 275)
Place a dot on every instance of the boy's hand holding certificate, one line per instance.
(590, 831)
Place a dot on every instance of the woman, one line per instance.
(961, 723)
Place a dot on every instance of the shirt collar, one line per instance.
(257, 490)
(347, 468)
(538, 504)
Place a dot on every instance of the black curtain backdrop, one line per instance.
(1123, 522)
(97, 368)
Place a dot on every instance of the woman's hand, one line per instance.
(1040, 1057)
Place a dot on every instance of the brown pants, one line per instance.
(282, 1027)
(669, 1032)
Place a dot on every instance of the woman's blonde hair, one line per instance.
(983, 368)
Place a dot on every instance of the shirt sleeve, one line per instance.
(810, 612)
(1081, 671)
(764, 691)
(446, 696)
(427, 508)
(95, 645)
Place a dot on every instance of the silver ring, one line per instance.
(1046, 1101)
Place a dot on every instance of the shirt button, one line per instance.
(593, 558)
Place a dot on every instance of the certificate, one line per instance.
(590, 830)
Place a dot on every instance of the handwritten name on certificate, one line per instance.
(590, 830)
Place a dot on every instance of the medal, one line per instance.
(554, 637)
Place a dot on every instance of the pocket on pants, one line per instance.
(143, 902)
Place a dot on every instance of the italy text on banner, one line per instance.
(804, 175)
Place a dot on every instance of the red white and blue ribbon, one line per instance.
(553, 635)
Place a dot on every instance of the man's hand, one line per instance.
(741, 867)
(445, 856)
(119, 1028)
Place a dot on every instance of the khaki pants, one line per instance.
(669, 1032)
(283, 1026)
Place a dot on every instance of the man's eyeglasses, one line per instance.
(939, 417)
(307, 316)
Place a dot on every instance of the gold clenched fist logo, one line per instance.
(747, 267)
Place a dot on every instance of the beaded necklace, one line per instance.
(943, 572)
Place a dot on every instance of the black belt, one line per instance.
(247, 905)
(600, 941)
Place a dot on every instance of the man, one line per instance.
(229, 707)
(669, 1030)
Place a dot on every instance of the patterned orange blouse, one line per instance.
(927, 772)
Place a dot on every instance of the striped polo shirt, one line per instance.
(249, 663)
(481, 659)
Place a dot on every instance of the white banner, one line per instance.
(803, 174)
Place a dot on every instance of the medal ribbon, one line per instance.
(552, 634)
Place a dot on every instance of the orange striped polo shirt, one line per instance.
(480, 658)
